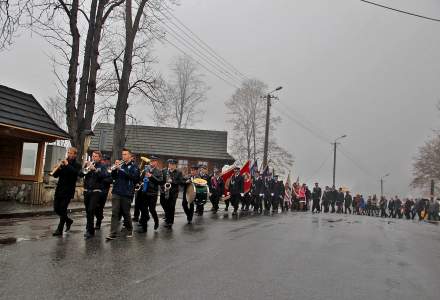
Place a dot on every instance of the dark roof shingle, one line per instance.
(166, 141)
(22, 110)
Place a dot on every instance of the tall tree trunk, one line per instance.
(71, 112)
(131, 29)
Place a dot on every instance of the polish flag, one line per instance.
(246, 172)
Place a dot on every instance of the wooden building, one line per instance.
(25, 127)
(188, 146)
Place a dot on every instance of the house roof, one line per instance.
(165, 141)
(21, 110)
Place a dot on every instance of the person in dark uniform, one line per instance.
(383, 207)
(203, 174)
(94, 174)
(149, 197)
(189, 208)
(67, 173)
(339, 201)
(169, 193)
(398, 207)
(257, 192)
(333, 198)
(217, 189)
(391, 208)
(125, 175)
(278, 192)
(347, 202)
(268, 192)
(106, 183)
(316, 197)
(326, 199)
(236, 186)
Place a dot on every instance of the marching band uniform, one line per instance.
(65, 190)
(189, 208)
(175, 178)
(106, 183)
(278, 193)
(236, 186)
(149, 197)
(217, 189)
(93, 187)
(268, 192)
(200, 208)
(348, 201)
(326, 199)
(257, 192)
(124, 179)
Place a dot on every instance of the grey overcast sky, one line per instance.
(346, 68)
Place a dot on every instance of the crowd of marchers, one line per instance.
(245, 186)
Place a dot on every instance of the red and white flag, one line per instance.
(246, 172)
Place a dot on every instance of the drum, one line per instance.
(202, 193)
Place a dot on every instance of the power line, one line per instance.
(198, 38)
(185, 43)
(221, 62)
(401, 11)
(320, 167)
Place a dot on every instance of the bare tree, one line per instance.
(426, 166)
(248, 114)
(183, 95)
(60, 23)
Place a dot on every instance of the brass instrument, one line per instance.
(144, 161)
(167, 186)
(86, 169)
(116, 166)
(56, 168)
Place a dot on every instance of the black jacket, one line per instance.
(348, 200)
(316, 194)
(340, 198)
(94, 180)
(217, 187)
(67, 179)
(236, 185)
(257, 186)
(154, 181)
(278, 190)
(176, 179)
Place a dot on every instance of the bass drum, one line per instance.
(202, 194)
(190, 193)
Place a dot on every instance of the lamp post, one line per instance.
(335, 143)
(268, 97)
(381, 184)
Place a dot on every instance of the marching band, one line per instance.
(146, 183)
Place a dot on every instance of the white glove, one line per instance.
(242, 194)
(271, 194)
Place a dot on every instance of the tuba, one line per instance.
(144, 161)
(167, 185)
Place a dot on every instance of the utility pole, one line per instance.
(381, 185)
(266, 134)
(335, 143)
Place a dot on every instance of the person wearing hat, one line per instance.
(278, 194)
(168, 197)
(236, 186)
(257, 192)
(189, 208)
(217, 188)
(149, 197)
(203, 174)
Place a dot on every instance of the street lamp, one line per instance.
(335, 143)
(381, 185)
(266, 135)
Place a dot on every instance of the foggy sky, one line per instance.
(346, 68)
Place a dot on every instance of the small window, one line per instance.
(203, 163)
(182, 163)
(29, 159)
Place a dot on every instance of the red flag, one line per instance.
(226, 176)
(246, 172)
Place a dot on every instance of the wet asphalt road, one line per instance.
(284, 256)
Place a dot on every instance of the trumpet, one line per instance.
(116, 166)
(87, 168)
(56, 168)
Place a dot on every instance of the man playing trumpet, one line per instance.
(67, 173)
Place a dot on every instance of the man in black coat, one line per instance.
(236, 188)
(169, 194)
(278, 193)
(67, 174)
(268, 191)
(326, 197)
(316, 197)
(188, 208)
(148, 198)
(257, 192)
(340, 201)
(217, 189)
(94, 174)
(348, 200)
